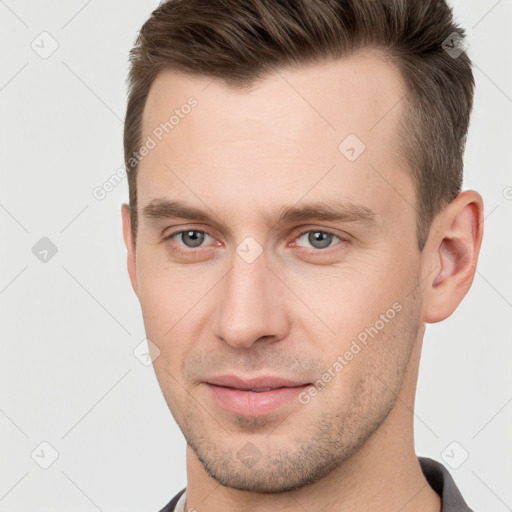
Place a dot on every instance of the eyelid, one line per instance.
(176, 230)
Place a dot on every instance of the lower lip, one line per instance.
(251, 403)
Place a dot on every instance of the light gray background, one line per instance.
(69, 326)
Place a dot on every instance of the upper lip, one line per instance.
(232, 381)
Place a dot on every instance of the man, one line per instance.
(295, 220)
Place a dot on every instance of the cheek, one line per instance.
(156, 303)
(369, 366)
(348, 299)
(165, 293)
(173, 303)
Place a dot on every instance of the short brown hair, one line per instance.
(240, 41)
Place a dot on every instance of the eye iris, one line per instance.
(192, 238)
(319, 240)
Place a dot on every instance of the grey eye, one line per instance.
(318, 239)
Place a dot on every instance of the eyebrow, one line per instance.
(166, 209)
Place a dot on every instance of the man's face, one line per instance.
(253, 289)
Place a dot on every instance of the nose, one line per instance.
(251, 305)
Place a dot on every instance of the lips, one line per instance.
(257, 384)
(253, 397)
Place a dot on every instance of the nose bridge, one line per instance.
(250, 303)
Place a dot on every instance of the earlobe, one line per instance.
(129, 242)
(453, 253)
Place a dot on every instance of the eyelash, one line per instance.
(190, 250)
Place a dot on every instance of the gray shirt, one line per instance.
(436, 474)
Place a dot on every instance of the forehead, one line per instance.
(348, 95)
(283, 135)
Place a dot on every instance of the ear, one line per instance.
(452, 251)
(129, 242)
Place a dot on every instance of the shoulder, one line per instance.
(440, 479)
(172, 504)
